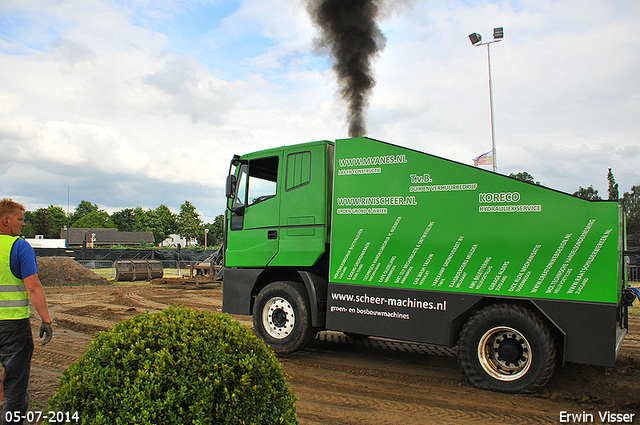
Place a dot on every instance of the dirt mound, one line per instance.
(59, 271)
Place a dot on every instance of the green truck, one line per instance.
(376, 240)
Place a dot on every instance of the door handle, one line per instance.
(272, 234)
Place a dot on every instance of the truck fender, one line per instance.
(317, 291)
(559, 332)
(240, 285)
(237, 291)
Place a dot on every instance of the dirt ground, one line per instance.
(343, 381)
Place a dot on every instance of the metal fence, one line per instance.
(106, 269)
(633, 273)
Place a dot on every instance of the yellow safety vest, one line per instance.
(14, 299)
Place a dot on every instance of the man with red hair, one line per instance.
(19, 283)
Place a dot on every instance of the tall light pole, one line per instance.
(476, 40)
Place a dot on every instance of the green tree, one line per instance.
(524, 176)
(588, 193)
(44, 221)
(28, 230)
(124, 220)
(214, 237)
(631, 205)
(162, 222)
(613, 187)
(59, 219)
(189, 222)
(84, 208)
(95, 220)
(217, 230)
(140, 220)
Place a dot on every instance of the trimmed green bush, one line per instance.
(179, 366)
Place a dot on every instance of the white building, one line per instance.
(174, 240)
(40, 242)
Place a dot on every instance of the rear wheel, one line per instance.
(281, 317)
(506, 348)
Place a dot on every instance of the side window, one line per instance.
(298, 170)
(241, 191)
(239, 199)
(263, 179)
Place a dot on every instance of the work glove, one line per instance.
(45, 329)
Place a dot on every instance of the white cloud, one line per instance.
(186, 88)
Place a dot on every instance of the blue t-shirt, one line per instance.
(23, 259)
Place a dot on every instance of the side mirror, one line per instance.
(230, 188)
(230, 192)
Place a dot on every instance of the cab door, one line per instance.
(254, 209)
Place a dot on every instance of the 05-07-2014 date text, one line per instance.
(39, 415)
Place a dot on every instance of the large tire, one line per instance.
(506, 348)
(281, 317)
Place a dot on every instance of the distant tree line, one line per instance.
(630, 201)
(160, 221)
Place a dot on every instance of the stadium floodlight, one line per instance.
(476, 40)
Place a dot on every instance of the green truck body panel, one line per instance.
(412, 220)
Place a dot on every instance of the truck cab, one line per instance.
(278, 223)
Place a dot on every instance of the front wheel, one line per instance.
(281, 317)
(506, 348)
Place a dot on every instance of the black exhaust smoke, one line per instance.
(351, 36)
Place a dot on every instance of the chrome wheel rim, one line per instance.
(504, 353)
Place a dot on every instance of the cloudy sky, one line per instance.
(137, 102)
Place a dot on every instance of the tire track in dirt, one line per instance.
(632, 340)
(382, 343)
(386, 399)
(202, 297)
(54, 358)
(388, 384)
(90, 322)
(360, 410)
(141, 297)
(161, 299)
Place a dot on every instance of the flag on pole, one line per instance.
(484, 159)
